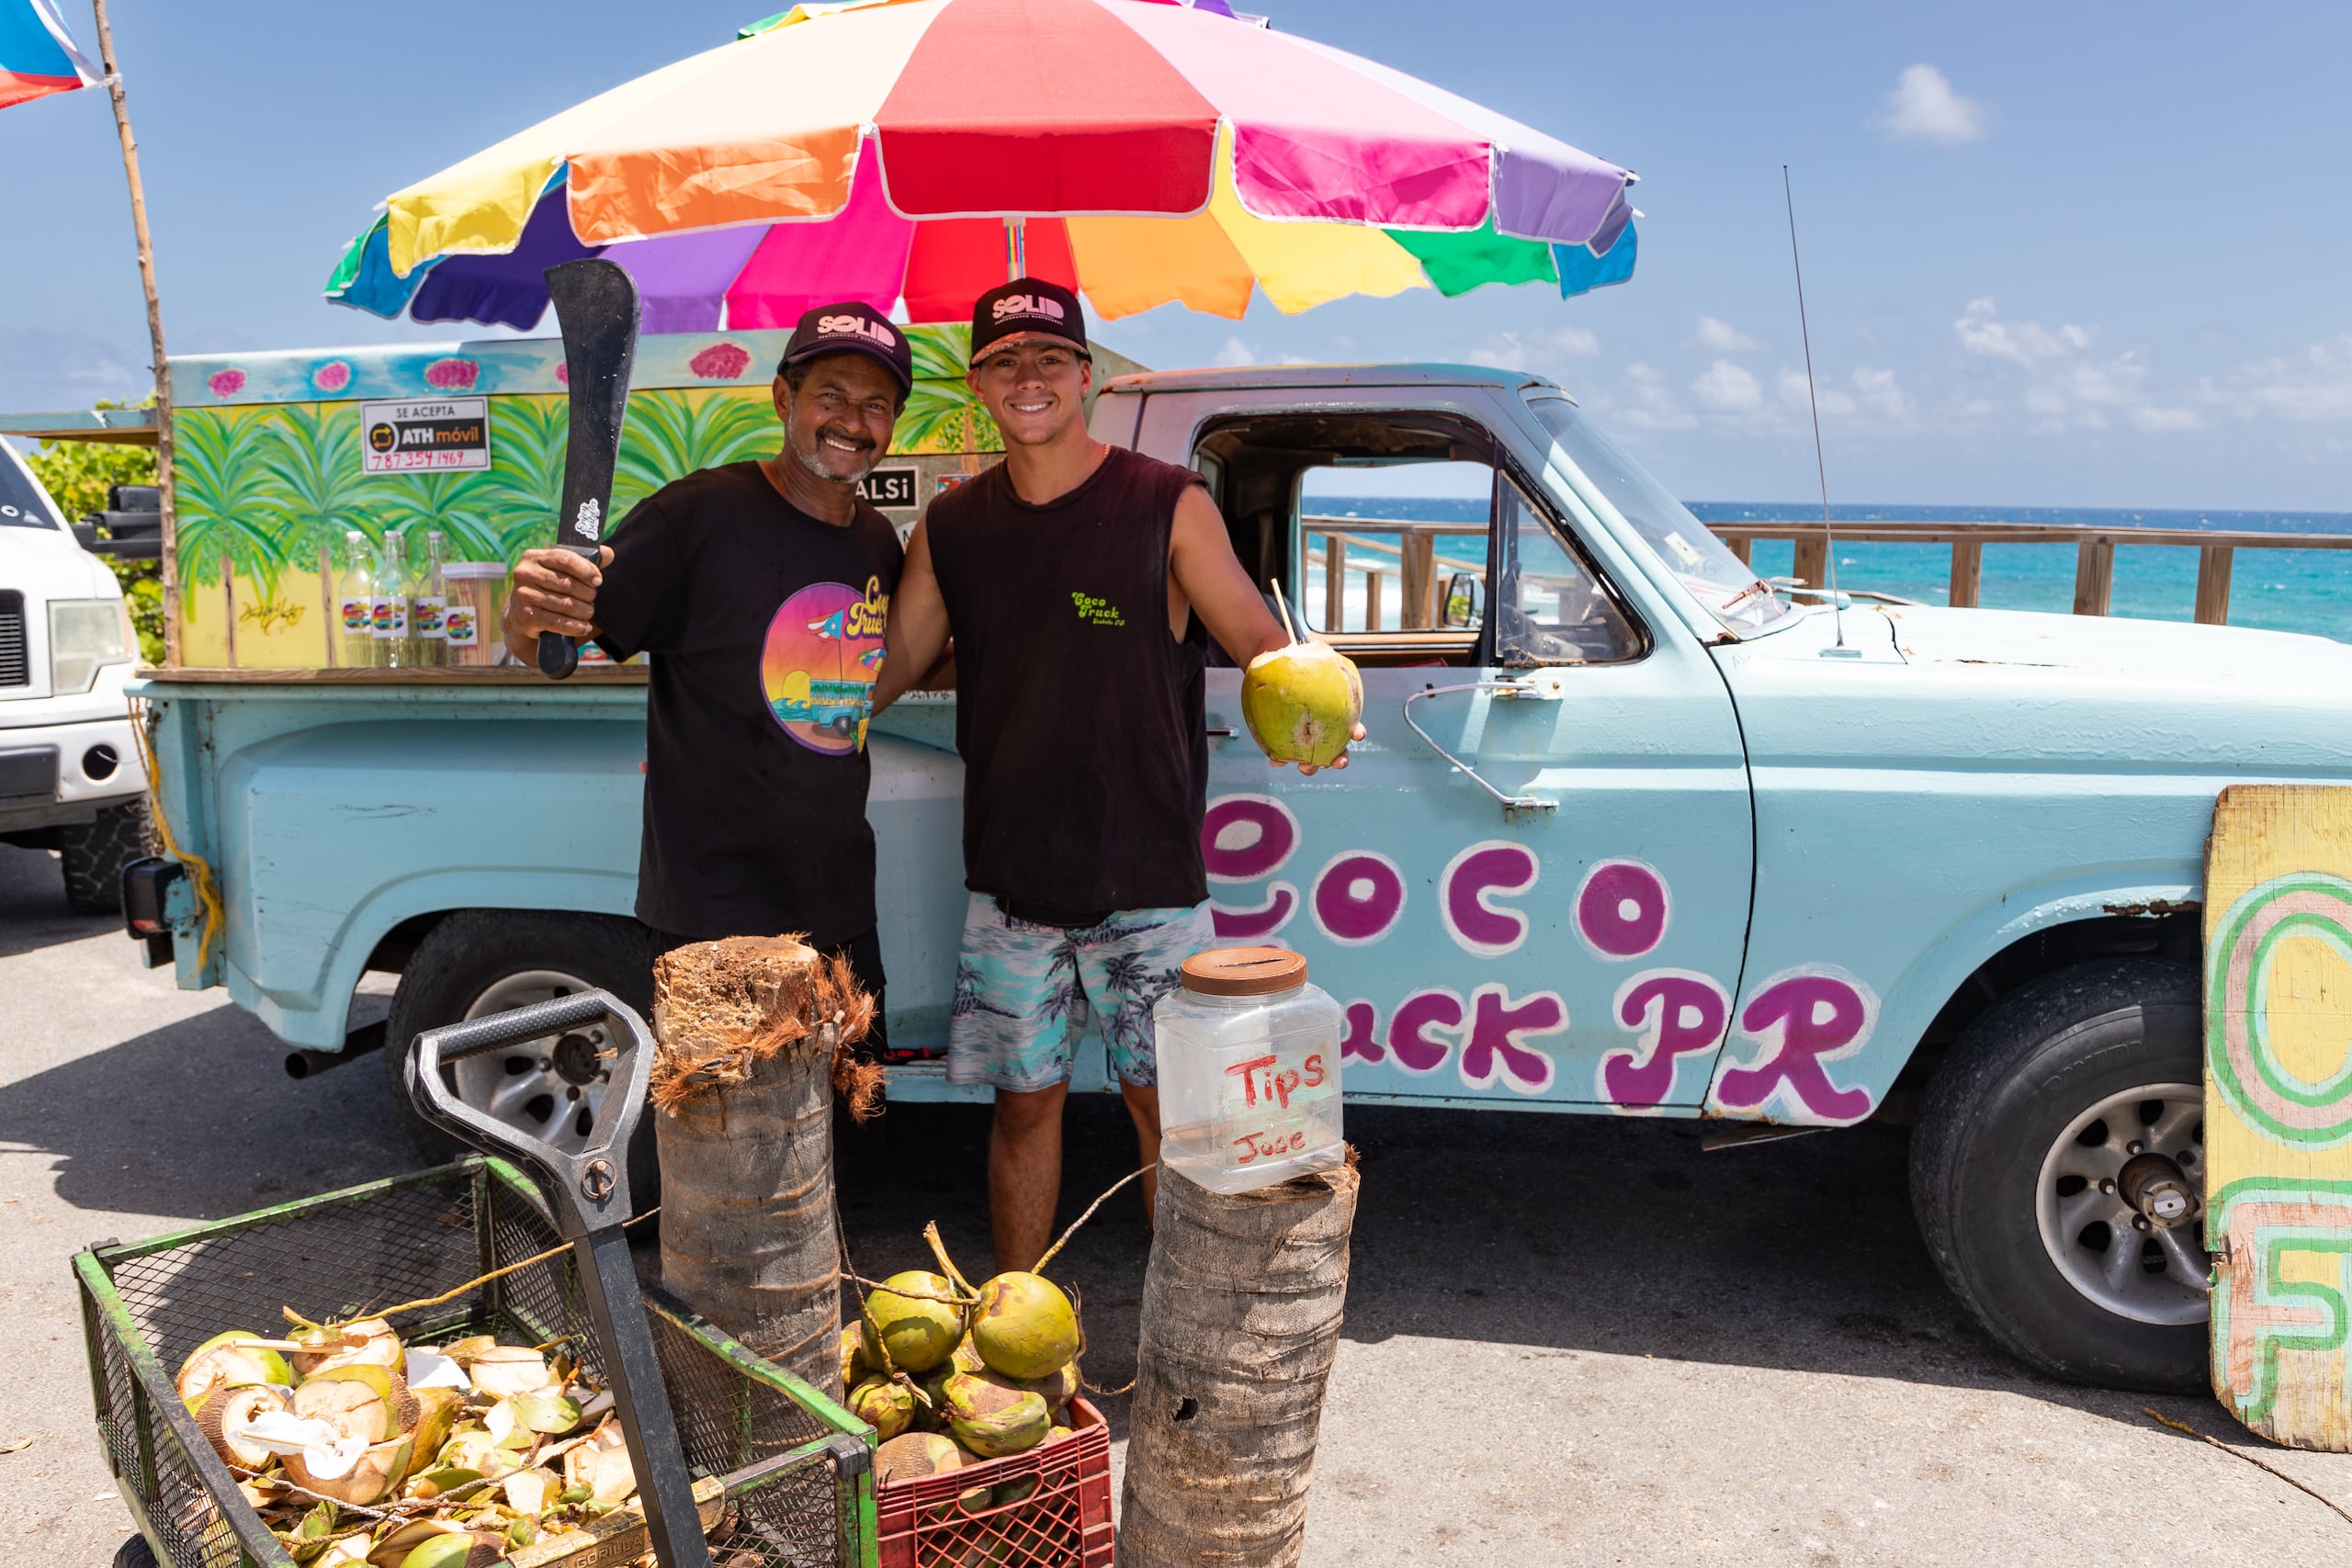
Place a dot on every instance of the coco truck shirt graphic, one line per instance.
(817, 668)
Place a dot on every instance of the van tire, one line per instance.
(2000, 1106)
(469, 955)
(94, 854)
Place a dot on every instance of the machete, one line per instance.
(595, 307)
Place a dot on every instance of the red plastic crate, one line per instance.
(1065, 1523)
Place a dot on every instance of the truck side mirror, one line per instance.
(1464, 601)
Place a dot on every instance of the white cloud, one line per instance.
(1720, 335)
(2158, 420)
(1923, 108)
(1537, 351)
(1235, 353)
(1981, 331)
(1650, 404)
(1726, 388)
(1794, 394)
(2312, 386)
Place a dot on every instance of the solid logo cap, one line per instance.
(852, 327)
(1024, 308)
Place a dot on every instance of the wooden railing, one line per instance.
(1411, 562)
(2094, 556)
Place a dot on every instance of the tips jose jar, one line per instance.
(1249, 1070)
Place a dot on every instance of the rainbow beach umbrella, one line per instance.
(1143, 152)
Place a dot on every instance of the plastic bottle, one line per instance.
(1248, 1058)
(355, 595)
(391, 603)
(429, 608)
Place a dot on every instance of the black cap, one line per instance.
(1025, 308)
(851, 327)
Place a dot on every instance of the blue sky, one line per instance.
(2059, 255)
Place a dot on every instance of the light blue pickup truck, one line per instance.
(1633, 834)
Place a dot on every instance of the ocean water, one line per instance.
(2279, 589)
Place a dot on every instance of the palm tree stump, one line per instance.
(1241, 1309)
(746, 1032)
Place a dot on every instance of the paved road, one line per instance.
(1569, 1341)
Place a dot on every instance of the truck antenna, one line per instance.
(1820, 465)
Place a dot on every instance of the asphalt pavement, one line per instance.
(1569, 1340)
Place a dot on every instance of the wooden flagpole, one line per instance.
(154, 330)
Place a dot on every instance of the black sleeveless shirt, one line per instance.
(1079, 717)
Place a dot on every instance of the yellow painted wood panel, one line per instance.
(2279, 1109)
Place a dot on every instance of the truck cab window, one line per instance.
(1549, 609)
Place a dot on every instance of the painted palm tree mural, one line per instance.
(271, 467)
(229, 518)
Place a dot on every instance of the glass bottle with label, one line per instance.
(391, 603)
(355, 603)
(429, 606)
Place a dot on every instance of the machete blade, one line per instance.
(596, 309)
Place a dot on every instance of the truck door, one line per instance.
(1531, 882)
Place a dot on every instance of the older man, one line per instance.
(761, 589)
(1081, 582)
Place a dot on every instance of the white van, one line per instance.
(70, 774)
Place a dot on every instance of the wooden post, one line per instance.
(1418, 591)
(2094, 575)
(164, 477)
(1335, 582)
(2278, 1136)
(1812, 567)
(742, 1111)
(2213, 564)
(1372, 598)
(1744, 547)
(1241, 1311)
(1967, 573)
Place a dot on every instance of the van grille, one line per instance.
(12, 639)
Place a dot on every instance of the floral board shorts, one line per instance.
(1025, 992)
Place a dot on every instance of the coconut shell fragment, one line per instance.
(370, 1480)
(357, 1401)
(230, 1360)
(223, 1415)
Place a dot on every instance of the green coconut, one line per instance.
(911, 1333)
(1024, 1327)
(1302, 702)
(1056, 1388)
(885, 1404)
(854, 1366)
(993, 1417)
(913, 1455)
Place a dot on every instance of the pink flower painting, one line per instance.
(563, 373)
(720, 362)
(452, 375)
(226, 383)
(332, 377)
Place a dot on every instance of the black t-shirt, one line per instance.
(765, 627)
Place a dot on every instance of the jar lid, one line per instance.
(1244, 971)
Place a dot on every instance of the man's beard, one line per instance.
(811, 459)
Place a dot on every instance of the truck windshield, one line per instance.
(1736, 597)
(22, 503)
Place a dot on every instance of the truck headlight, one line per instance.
(82, 635)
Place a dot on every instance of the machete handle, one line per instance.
(479, 1036)
(558, 655)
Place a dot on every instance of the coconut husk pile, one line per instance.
(357, 1448)
(722, 1008)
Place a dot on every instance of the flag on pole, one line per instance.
(37, 54)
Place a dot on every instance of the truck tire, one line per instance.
(484, 961)
(2020, 1134)
(135, 1553)
(94, 854)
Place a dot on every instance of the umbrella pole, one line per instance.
(170, 562)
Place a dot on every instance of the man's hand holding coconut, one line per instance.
(1081, 584)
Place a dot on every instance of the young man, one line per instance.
(1080, 583)
(761, 588)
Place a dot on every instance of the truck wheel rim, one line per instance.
(2149, 1276)
(546, 1088)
